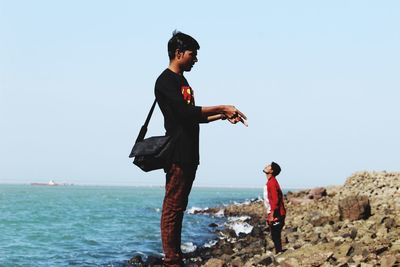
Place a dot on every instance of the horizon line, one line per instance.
(144, 185)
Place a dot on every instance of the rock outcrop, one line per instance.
(357, 224)
(354, 208)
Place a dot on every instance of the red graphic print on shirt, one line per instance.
(188, 95)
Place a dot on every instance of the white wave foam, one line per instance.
(210, 243)
(239, 224)
(241, 228)
(220, 213)
(238, 218)
(188, 247)
(193, 210)
(246, 202)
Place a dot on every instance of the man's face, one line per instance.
(188, 59)
(268, 169)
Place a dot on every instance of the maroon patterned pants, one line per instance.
(179, 182)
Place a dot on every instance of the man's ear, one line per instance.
(178, 54)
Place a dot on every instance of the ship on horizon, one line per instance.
(50, 183)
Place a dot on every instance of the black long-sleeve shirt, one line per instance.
(181, 117)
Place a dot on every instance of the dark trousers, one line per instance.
(276, 230)
(179, 180)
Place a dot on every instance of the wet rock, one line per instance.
(265, 260)
(153, 261)
(237, 262)
(213, 225)
(227, 249)
(241, 235)
(206, 211)
(256, 232)
(238, 246)
(231, 233)
(252, 250)
(354, 208)
(216, 252)
(136, 260)
(225, 257)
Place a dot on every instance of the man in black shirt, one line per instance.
(175, 98)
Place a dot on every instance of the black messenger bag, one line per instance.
(151, 153)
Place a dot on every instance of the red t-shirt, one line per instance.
(275, 197)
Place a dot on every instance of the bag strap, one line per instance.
(143, 130)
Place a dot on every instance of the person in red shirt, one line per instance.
(273, 201)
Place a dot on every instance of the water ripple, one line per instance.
(94, 226)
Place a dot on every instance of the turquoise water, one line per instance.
(94, 225)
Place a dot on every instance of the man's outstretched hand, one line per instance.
(233, 115)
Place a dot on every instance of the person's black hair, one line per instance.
(276, 169)
(182, 42)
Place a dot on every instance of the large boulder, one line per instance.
(354, 208)
(317, 193)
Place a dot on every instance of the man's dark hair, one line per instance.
(182, 42)
(276, 169)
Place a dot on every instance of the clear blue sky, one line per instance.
(318, 80)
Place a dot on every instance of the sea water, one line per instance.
(98, 225)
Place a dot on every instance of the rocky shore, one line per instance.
(357, 224)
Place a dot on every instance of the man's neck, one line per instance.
(269, 176)
(175, 68)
